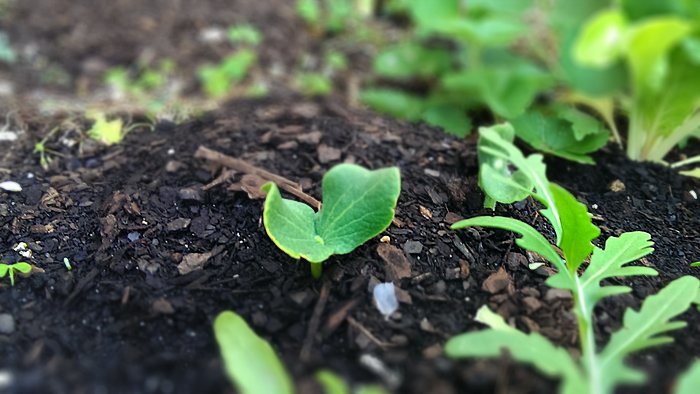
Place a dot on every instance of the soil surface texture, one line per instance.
(157, 251)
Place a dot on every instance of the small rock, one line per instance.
(452, 273)
(8, 136)
(326, 154)
(433, 351)
(190, 193)
(163, 307)
(464, 269)
(531, 325)
(532, 304)
(514, 260)
(557, 294)
(312, 138)
(397, 265)
(192, 262)
(433, 173)
(497, 282)
(7, 324)
(426, 325)
(403, 296)
(133, 236)
(178, 224)
(10, 186)
(385, 299)
(173, 166)
(412, 247)
(288, 145)
(617, 186)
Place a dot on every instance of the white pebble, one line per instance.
(385, 299)
(11, 186)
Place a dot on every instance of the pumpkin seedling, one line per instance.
(358, 204)
(10, 269)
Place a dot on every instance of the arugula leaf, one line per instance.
(577, 229)
(533, 349)
(643, 329)
(250, 361)
(358, 204)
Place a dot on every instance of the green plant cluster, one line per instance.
(147, 85)
(560, 71)
(581, 269)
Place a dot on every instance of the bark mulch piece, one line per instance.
(156, 257)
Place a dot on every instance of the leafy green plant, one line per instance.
(218, 79)
(108, 132)
(358, 204)
(596, 371)
(251, 363)
(147, 85)
(327, 16)
(657, 46)
(9, 269)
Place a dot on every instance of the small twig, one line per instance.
(223, 177)
(314, 323)
(247, 168)
(367, 333)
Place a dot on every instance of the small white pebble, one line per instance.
(385, 299)
(594, 206)
(11, 186)
(171, 151)
(693, 194)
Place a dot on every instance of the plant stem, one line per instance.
(316, 270)
(690, 160)
(587, 339)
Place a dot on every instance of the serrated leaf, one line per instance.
(531, 239)
(532, 349)
(577, 228)
(611, 262)
(250, 361)
(358, 204)
(643, 329)
(689, 381)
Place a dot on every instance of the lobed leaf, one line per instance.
(250, 361)
(532, 349)
(358, 204)
(643, 329)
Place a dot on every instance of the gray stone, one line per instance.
(7, 324)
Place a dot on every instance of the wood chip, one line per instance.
(192, 262)
(397, 264)
(497, 282)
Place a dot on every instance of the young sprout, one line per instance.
(10, 269)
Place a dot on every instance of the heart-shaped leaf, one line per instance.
(358, 204)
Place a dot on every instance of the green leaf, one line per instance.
(246, 34)
(394, 102)
(22, 267)
(371, 389)
(490, 31)
(410, 59)
(309, 11)
(650, 43)
(358, 204)
(644, 329)
(572, 135)
(689, 381)
(428, 13)
(314, 84)
(531, 168)
(250, 361)
(331, 382)
(495, 177)
(452, 119)
(577, 228)
(531, 239)
(4, 268)
(602, 39)
(533, 349)
(237, 65)
(611, 262)
(107, 132)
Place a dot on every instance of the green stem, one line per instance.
(690, 160)
(587, 339)
(316, 269)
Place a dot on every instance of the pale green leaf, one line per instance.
(602, 39)
(394, 102)
(107, 132)
(410, 59)
(4, 268)
(531, 239)
(250, 361)
(331, 382)
(533, 349)
(358, 204)
(452, 119)
(22, 267)
(643, 329)
(611, 262)
(689, 381)
(577, 228)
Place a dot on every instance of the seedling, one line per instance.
(358, 204)
(660, 53)
(106, 131)
(597, 371)
(10, 269)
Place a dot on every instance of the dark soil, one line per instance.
(124, 319)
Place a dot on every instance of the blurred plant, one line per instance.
(148, 86)
(657, 45)
(332, 16)
(7, 53)
(320, 83)
(218, 79)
